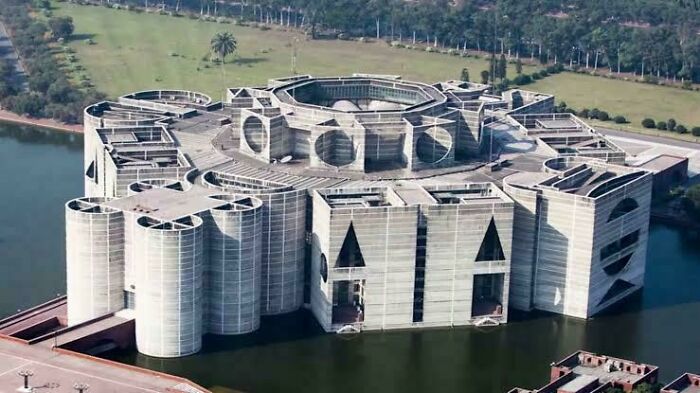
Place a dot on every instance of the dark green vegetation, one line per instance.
(223, 44)
(691, 201)
(50, 93)
(670, 125)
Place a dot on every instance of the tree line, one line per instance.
(653, 38)
(50, 94)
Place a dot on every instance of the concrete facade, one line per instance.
(368, 199)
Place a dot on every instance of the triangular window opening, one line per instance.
(350, 253)
(491, 249)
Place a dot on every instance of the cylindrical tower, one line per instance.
(169, 286)
(94, 259)
(233, 276)
(283, 233)
(284, 247)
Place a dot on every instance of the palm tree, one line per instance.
(223, 44)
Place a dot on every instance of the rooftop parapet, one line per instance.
(321, 93)
(566, 135)
(142, 136)
(364, 197)
(686, 383)
(113, 114)
(140, 157)
(579, 176)
(623, 373)
(242, 184)
(467, 194)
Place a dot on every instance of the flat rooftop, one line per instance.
(686, 383)
(167, 204)
(606, 368)
(662, 162)
(57, 371)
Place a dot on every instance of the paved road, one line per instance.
(648, 138)
(57, 371)
(7, 51)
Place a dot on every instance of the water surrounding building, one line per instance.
(586, 372)
(376, 187)
(656, 327)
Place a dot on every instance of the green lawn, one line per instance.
(134, 52)
(633, 100)
(143, 51)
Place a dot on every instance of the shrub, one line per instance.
(595, 112)
(584, 113)
(695, 131)
(536, 76)
(620, 119)
(544, 73)
(603, 115)
(648, 123)
(662, 126)
(672, 124)
(681, 129)
(522, 79)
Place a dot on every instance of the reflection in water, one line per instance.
(40, 172)
(291, 354)
(35, 135)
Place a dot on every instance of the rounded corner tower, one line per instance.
(169, 282)
(94, 259)
(234, 271)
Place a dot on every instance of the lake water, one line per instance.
(41, 170)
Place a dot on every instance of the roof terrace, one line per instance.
(566, 134)
(606, 369)
(370, 197)
(686, 383)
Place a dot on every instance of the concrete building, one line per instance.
(376, 202)
(686, 383)
(586, 372)
(581, 228)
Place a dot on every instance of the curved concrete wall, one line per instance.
(284, 245)
(94, 259)
(169, 280)
(284, 237)
(233, 275)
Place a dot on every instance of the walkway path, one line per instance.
(48, 123)
(57, 371)
(7, 51)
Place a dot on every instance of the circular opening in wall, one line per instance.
(433, 145)
(254, 133)
(335, 148)
(324, 268)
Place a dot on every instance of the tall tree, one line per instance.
(223, 44)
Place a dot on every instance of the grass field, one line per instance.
(142, 51)
(633, 100)
(135, 51)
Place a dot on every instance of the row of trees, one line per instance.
(50, 93)
(647, 37)
(670, 125)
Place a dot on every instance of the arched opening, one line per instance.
(616, 267)
(622, 208)
(324, 268)
(254, 133)
(335, 148)
(433, 145)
